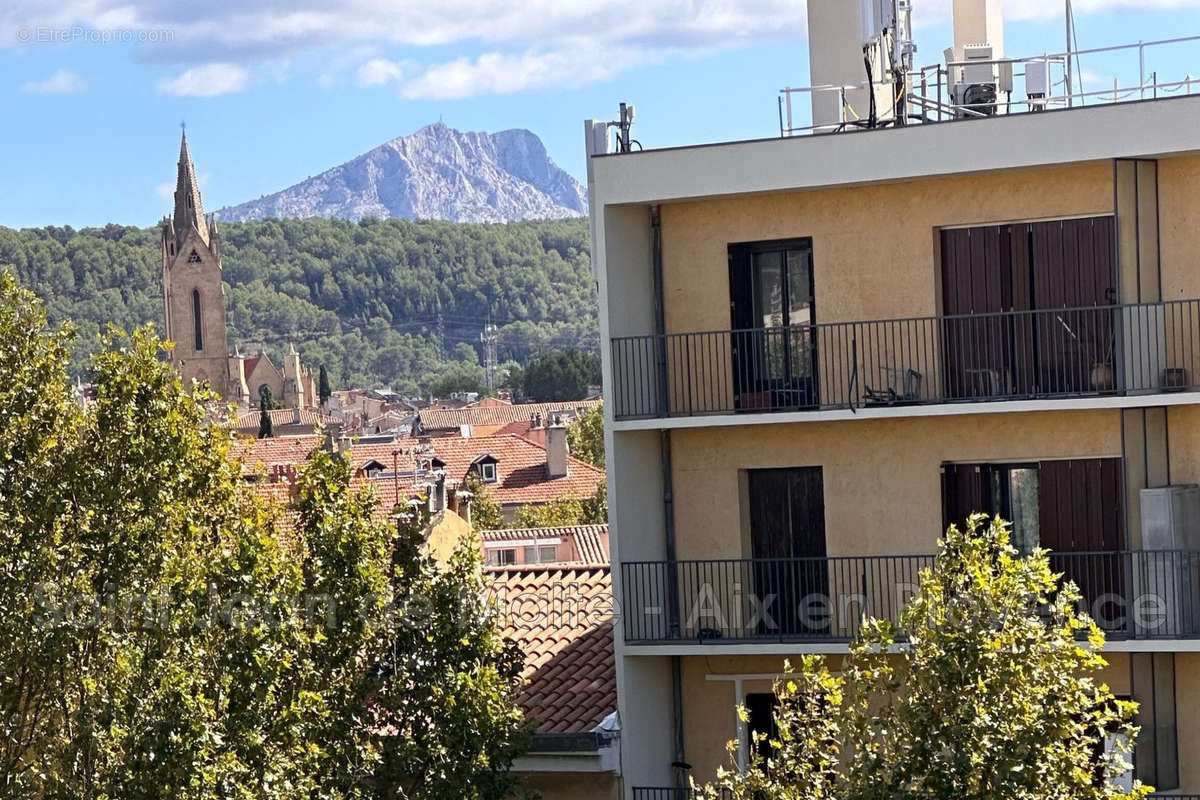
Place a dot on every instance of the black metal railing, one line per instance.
(1141, 594)
(1067, 352)
(673, 793)
(668, 793)
(661, 793)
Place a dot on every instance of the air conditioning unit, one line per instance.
(977, 89)
(1166, 570)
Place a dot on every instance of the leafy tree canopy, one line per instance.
(165, 631)
(585, 436)
(561, 375)
(992, 697)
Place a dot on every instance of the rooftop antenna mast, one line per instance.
(623, 125)
(903, 49)
(1070, 38)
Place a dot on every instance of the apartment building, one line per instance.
(820, 350)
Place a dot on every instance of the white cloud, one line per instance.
(502, 73)
(379, 71)
(533, 43)
(62, 82)
(206, 81)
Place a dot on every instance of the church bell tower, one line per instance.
(193, 297)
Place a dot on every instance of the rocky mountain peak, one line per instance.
(436, 172)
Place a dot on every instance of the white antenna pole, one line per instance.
(1070, 21)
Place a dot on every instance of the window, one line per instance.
(1071, 507)
(501, 557)
(541, 554)
(196, 319)
(1155, 752)
(761, 707)
(193, 258)
(487, 471)
(787, 538)
(1013, 494)
(771, 297)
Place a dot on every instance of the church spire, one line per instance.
(189, 213)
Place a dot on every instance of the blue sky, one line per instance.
(274, 92)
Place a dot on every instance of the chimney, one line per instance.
(556, 448)
(343, 446)
(537, 431)
(437, 494)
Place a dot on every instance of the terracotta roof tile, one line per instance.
(276, 450)
(561, 617)
(433, 419)
(281, 417)
(522, 469)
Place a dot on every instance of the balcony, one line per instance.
(1139, 594)
(1094, 351)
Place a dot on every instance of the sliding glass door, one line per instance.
(771, 290)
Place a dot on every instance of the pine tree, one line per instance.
(323, 390)
(265, 404)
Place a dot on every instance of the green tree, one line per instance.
(486, 514)
(445, 696)
(164, 630)
(323, 390)
(565, 511)
(585, 436)
(993, 697)
(561, 375)
(266, 403)
(556, 513)
(595, 508)
(457, 376)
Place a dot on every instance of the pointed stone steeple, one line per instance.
(189, 212)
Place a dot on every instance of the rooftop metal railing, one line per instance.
(1147, 348)
(930, 98)
(1140, 594)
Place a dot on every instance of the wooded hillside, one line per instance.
(378, 302)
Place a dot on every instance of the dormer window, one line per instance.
(486, 467)
(373, 468)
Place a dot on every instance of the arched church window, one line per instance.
(196, 319)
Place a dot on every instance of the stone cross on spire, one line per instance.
(189, 213)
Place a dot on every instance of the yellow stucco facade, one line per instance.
(875, 256)
(882, 480)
